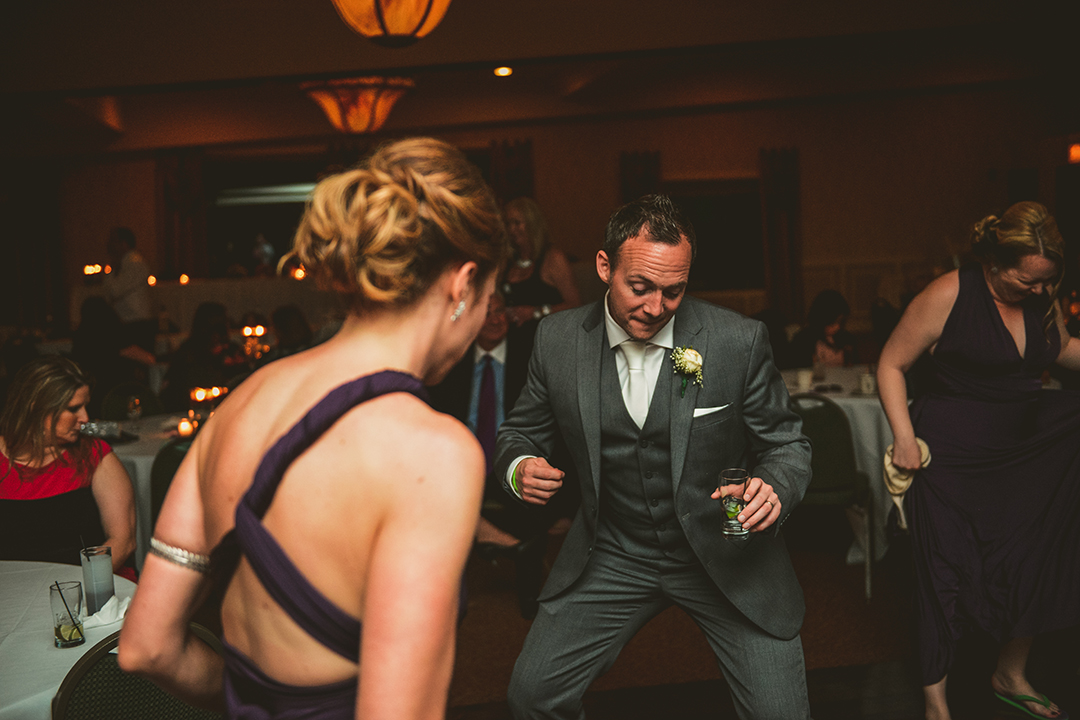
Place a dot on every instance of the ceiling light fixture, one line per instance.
(392, 23)
(504, 71)
(358, 105)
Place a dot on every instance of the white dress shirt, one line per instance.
(659, 344)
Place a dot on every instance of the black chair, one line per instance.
(115, 404)
(97, 689)
(166, 463)
(835, 481)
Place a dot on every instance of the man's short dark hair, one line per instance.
(656, 214)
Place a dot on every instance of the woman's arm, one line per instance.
(115, 499)
(1069, 357)
(414, 583)
(557, 272)
(155, 641)
(918, 330)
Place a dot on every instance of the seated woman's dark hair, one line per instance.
(828, 307)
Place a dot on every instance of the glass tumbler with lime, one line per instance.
(733, 488)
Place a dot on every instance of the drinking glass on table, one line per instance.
(65, 601)
(97, 576)
(733, 488)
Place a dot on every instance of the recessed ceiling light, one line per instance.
(504, 71)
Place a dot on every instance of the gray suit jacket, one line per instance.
(754, 428)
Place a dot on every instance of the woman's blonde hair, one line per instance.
(536, 226)
(380, 234)
(1026, 228)
(39, 392)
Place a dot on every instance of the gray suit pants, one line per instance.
(578, 634)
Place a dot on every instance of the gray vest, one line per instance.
(637, 508)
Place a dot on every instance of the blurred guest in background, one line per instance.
(59, 491)
(100, 347)
(539, 281)
(127, 289)
(823, 340)
(207, 358)
(480, 390)
(995, 514)
(292, 332)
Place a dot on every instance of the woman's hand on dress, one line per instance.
(906, 455)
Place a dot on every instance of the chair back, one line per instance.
(114, 406)
(96, 688)
(166, 463)
(835, 479)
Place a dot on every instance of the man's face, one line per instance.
(495, 325)
(646, 285)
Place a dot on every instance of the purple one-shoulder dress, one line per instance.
(249, 693)
(995, 517)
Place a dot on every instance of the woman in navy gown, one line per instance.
(995, 515)
(325, 492)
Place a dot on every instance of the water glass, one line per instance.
(97, 576)
(66, 603)
(733, 484)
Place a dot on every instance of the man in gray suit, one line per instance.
(649, 448)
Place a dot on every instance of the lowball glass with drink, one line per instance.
(733, 488)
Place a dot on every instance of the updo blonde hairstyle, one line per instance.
(1026, 228)
(382, 233)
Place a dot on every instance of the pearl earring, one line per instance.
(457, 311)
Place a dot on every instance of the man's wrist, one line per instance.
(512, 479)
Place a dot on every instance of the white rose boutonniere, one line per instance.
(687, 362)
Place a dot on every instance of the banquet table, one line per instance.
(137, 457)
(870, 433)
(31, 667)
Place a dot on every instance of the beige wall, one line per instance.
(889, 184)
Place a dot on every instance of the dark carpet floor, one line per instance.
(860, 655)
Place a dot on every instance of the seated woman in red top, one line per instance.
(59, 491)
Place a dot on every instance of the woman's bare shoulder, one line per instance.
(939, 296)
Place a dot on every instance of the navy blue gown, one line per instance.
(995, 517)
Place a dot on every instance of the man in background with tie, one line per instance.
(649, 442)
(479, 391)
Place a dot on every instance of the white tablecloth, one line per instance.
(138, 459)
(31, 667)
(870, 433)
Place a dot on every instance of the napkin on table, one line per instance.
(112, 611)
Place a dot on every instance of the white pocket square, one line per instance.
(698, 412)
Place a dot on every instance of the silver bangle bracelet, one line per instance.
(179, 556)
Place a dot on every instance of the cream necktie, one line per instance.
(636, 391)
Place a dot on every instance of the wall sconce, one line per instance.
(358, 105)
(392, 23)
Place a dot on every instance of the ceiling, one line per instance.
(128, 75)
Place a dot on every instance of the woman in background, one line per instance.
(327, 490)
(59, 490)
(995, 515)
(539, 281)
(823, 340)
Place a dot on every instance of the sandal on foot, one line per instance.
(1017, 702)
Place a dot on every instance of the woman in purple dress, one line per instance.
(325, 492)
(995, 515)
